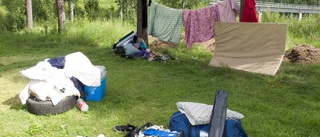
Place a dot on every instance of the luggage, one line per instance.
(128, 37)
(234, 128)
(179, 122)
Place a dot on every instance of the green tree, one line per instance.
(184, 4)
(15, 16)
(92, 9)
(127, 9)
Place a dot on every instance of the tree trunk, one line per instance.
(183, 3)
(71, 13)
(142, 20)
(61, 15)
(29, 20)
(121, 10)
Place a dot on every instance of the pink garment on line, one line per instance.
(199, 24)
(228, 11)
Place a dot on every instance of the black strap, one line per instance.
(150, 2)
(136, 130)
(144, 14)
(189, 130)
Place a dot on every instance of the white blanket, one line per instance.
(50, 82)
(79, 66)
(47, 81)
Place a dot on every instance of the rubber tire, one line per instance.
(47, 108)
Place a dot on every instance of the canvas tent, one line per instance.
(251, 47)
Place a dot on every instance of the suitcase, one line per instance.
(179, 122)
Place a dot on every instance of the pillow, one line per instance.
(130, 49)
(199, 114)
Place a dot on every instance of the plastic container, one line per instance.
(97, 93)
(82, 105)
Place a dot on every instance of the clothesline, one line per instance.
(166, 23)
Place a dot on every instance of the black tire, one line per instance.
(47, 108)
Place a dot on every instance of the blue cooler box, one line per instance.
(97, 93)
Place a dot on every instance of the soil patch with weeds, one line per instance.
(303, 53)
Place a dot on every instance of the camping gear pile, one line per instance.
(58, 82)
(130, 47)
(194, 120)
(147, 130)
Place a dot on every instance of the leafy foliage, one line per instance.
(308, 28)
(14, 19)
(92, 8)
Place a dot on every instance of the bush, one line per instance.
(307, 29)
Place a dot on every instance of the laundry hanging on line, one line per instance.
(249, 12)
(199, 24)
(165, 23)
(228, 10)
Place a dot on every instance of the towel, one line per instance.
(165, 23)
(199, 24)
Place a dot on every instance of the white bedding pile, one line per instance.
(55, 84)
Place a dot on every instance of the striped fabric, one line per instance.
(165, 23)
(199, 113)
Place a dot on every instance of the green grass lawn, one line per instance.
(140, 91)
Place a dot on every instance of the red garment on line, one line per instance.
(249, 11)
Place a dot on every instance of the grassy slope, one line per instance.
(139, 91)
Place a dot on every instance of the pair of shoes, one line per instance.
(124, 128)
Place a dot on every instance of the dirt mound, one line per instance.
(303, 53)
(159, 45)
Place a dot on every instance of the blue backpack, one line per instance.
(179, 122)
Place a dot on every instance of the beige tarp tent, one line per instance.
(252, 47)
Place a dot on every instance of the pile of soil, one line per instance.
(303, 53)
(159, 45)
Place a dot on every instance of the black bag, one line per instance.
(179, 122)
(219, 126)
(137, 130)
(130, 35)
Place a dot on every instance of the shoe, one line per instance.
(124, 128)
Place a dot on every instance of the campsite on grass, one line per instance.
(161, 68)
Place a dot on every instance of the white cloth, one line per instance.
(79, 66)
(47, 81)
